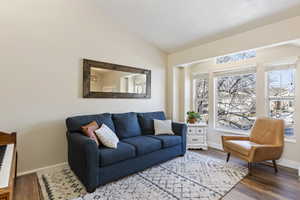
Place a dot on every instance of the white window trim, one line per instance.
(240, 69)
(282, 63)
(274, 67)
(233, 71)
(236, 132)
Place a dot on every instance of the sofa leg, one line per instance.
(275, 166)
(91, 190)
(228, 157)
(249, 168)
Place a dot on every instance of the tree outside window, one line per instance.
(201, 95)
(235, 100)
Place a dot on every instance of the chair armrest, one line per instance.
(265, 152)
(180, 129)
(234, 137)
(83, 158)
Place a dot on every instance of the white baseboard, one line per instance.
(215, 145)
(289, 163)
(283, 162)
(39, 169)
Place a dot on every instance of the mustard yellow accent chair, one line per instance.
(264, 143)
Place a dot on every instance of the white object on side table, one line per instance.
(197, 136)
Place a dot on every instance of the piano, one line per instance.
(8, 164)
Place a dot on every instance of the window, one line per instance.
(235, 100)
(236, 57)
(201, 95)
(281, 96)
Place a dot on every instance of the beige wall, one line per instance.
(42, 44)
(268, 35)
(271, 34)
(275, 54)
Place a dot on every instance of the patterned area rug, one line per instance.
(193, 176)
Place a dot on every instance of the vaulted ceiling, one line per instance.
(172, 25)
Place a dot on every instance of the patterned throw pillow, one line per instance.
(107, 137)
(163, 127)
(89, 129)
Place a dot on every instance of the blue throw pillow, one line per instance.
(106, 118)
(146, 121)
(126, 125)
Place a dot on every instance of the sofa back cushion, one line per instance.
(74, 123)
(146, 121)
(126, 125)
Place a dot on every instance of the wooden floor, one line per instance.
(263, 184)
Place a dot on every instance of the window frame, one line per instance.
(236, 57)
(279, 67)
(240, 70)
(194, 78)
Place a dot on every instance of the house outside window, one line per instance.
(200, 83)
(235, 100)
(281, 96)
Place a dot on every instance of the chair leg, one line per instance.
(249, 167)
(228, 157)
(275, 166)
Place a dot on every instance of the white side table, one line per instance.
(197, 136)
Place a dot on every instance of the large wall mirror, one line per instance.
(107, 80)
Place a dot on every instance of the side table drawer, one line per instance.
(199, 131)
(195, 140)
(192, 130)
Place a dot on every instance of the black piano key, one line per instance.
(2, 152)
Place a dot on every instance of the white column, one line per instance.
(178, 93)
(261, 102)
(187, 95)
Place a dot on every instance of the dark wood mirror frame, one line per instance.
(87, 93)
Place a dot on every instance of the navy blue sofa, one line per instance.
(137, 150)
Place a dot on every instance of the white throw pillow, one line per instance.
(107, 137)
(163, 127)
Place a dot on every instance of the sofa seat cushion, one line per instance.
(168, 140)
(144, 144)
(241, 146)
(126, 125)
(146, 121)
(110, 156)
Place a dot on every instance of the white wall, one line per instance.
(263, 57)
(42, 44)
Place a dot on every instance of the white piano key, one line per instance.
(6, 166)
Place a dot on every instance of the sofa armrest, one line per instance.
(180, 129)
(83, 158)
